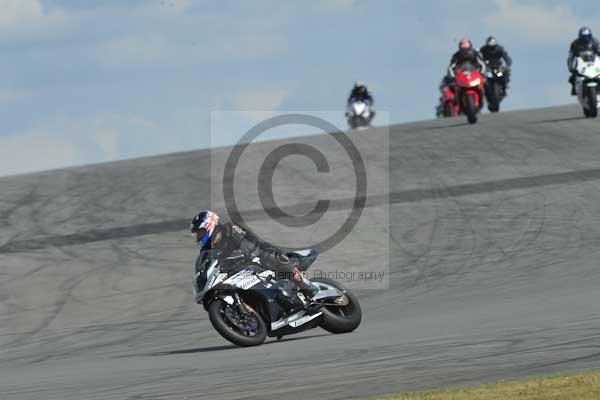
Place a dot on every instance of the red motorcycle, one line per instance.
(449, 107)
(469, 83)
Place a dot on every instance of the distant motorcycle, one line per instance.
(359, 114)
(448, 106)
(587, 67)
(495, 86)
(469, 83)
(246, 303)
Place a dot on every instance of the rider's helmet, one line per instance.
(491, 42)
(585, 34)
(465, 46)
(360, 88)
(203, 225)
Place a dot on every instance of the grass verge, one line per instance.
(580, 386)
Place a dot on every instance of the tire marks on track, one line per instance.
(401, 197)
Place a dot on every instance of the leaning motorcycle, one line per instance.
(587, 67)
(246, 303)
(359, 114)
(469, 84)
(495, 86)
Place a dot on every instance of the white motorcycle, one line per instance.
(359, 114)
(587, 67)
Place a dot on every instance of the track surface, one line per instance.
(493, 245)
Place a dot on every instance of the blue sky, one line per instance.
(93, 81)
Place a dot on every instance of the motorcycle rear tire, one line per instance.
(335, 321)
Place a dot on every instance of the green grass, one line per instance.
(581, 386)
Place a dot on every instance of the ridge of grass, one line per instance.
(579, 386)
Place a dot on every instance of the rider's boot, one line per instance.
(305, 286)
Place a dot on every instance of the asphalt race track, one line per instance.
(491, 232)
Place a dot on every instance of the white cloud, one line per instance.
(135, 50)
(337, 5)
(16, 12)
(29, 18)
(161, 50)
(163, 8)
(234, 115)
(68, 141)
(534, 23)
(107, 139)
(11, 96)
(265, 99)
(254, 46)
(174, 5)
(35, 152)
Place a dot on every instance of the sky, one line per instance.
(94, 81)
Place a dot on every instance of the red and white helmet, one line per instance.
(203, 226)
(465, 45)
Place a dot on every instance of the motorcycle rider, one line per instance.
(495, 54)
(585, 42)
(466, 54)
(235, 244)
(360, 92)
(447, 82)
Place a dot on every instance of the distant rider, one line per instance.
(493, 54)
(235, 245)
(447, 82)
(585, 42)
(466, 54)
(360, 92)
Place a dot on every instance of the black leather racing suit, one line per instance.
(459, 58)
(494, 56)
(235, 246)
(362, 94)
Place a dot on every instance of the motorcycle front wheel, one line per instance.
(592, 101)
(494, 96)
(241, 328)
(470, 110)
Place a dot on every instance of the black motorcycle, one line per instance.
(246, 303)
(495, 85)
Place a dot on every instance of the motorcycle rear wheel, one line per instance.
(340, 319)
